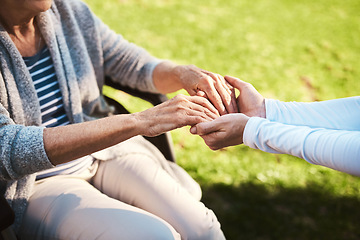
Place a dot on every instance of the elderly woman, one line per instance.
(69, 168)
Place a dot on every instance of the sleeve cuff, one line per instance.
(33, 157)
(149, 79)
(270, 106)
(251, 131)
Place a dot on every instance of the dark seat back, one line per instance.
(163, 142)
(7, 215)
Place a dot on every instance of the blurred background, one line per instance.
(301, 50)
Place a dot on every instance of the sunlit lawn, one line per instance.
(299, 50)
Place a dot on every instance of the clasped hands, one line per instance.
(227, 130)
(212, 109)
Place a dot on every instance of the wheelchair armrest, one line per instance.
(7, 218)
(7, 215)
(153, 98)
(163, 142)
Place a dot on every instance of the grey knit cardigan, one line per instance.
(83, 50)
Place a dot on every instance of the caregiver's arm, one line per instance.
(336, 149)
(332, 114)
(343, 114)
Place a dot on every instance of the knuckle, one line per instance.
(200, 130)
(180, 99)
(198, 119)
(248, 85)
(179, 96)
(180, 109)
(227, 98)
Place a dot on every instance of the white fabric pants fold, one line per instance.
(136, 195)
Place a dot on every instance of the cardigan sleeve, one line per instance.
(124, 62)
(342, 114)
(336, 149)
(21, 149)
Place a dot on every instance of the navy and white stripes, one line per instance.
(53, 113)
(47, 88)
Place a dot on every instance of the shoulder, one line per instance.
(77, 8)
(75, 4)
(74, 13)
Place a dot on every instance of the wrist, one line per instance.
(147, 124)
(141, 122)
(177, 73)
(167, 77)
(262, 113)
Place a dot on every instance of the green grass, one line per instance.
(291, 50)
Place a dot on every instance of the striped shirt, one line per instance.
(53, 113)
(47, 88)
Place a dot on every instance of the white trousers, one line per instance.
(136, 195)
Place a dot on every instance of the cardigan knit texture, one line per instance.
(83, 50)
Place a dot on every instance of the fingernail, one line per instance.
(193, 130)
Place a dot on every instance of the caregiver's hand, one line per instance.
(250, 102)
(222, 132)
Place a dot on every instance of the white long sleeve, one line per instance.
(331, 139)
(343, 114)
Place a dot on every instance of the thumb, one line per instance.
(235, 82)
(193, 130)
(204, 128)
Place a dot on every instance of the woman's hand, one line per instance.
(170, 77)
(222, 132)
(228, 130)
(250, 102)
(66, 143)
(175, 113)
(212, 86)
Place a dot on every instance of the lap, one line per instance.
(136, 157)
(150, 182)
(71, 208)
(142, 190)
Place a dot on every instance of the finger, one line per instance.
(201, 94)
(192, 92)
(208, 104)
(227, 94)
(190, 117)
(211, 140)
(194, 118)
(194, 108)
(235, 82)
(225, 91)
(201, 104)
(205, 128)
(224, 84)
(193, 130)
(205, 103)
(206, 114)
(214, 96)
(231, 90)
(233, 98)
(233, 101)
